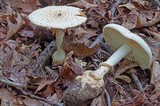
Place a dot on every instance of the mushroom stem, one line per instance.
(59, 38)
(59, 56)
(113, 60)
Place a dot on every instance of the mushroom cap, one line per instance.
(116, 35)
(58, 17)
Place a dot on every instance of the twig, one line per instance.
(97, 40)
(35, 97)
(43, 57)
(19, 87)
(157, 2)
(114, 6)
(118, 86)
(136, 80)
(106, 48)
(108, 98)
(8, 82)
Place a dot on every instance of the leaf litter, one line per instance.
(21, 42)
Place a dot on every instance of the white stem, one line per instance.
(113, 60)
(59, 56)
(59, 38)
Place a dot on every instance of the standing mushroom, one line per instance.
(58, 18)
(125, 44)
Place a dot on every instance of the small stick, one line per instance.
(35, 97)
(41, 59)
(114, 6)
(136, 80)
(108, 98)
(157, 2)
(10, 83)
(97, 40)
(106, 48)
(19, 87)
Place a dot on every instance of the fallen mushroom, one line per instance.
(125, 44)
(58, 18)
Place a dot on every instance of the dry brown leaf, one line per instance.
(31, 102)
(83, 3)
(102, 8)
(70, 68)
(78, 48)
(148, 18)
(116, 103)
(7, 98)
(129, 6)
(80, 31)
(49, 90)
(130, 21)
(124, 78)
(135, 5)
(27, 33)
(6, 62)
(53, 98)
(43, 85)
(155, 75)
(143, 18)
(137, 101)
(124, 65)
(143, 4)
(34, 80)
(13, 28)
(153, 31)
(27, 6)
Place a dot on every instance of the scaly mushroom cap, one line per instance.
(58, 17)
(116, 35)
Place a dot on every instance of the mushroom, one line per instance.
(58, 18)
(125, 44)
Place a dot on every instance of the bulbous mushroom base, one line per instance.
(84, 90)
(58, 57)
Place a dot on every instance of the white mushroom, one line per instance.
(125, 44)
(58, 18)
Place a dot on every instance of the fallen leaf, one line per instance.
(54, 98)
(70, 68)
(124, 78)
(78, 48)
(13, 28)
(83, 3)
(26, 33)
(137, 101)
(124, 65)
(155, 75)
(140, 19)
(43, 85)
(49, 90)
(27, 6)
(142, 4)
(31, 102)
(129, 6)
(153, 32)
(7, 98)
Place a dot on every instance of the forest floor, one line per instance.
(28, 77)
